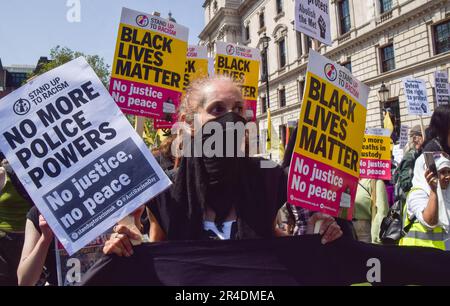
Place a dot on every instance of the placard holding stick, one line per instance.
(139, 126)
(422, 127)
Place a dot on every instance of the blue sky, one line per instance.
(29, 29)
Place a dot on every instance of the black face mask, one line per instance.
(223, 149)
(223, 170)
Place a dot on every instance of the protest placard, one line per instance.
(324, 171)
(242, 65)
(197, 67)
(70, 269)
(76, 154)
(397, 154)
(313, 19)
(416, 96)
(442, 88)
(149, 62)
(197, 64)
(403, 136)
(376, 154)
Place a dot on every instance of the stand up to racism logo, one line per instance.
(142, 20)
(21, 107)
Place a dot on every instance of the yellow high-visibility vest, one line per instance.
(419, 235)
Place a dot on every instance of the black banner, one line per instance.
(290, 261)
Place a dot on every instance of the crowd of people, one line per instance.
(234, 198)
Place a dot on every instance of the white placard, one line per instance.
(416, 96)
(312, 17)
(442, 88)
(76, 154)
(397, 153)
(377, 132)
(403, 136)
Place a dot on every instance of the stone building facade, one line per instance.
(378, 40)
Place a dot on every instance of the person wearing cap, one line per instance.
(404, 173)
(428, 204)
(415, 139)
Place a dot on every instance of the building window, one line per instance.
(261, 20)
(263, 105)
(387, 58)
(442, 37)
(347, 65)
(282, 52)
(385, 6)
(308, 43)
(282, 97)
(299, 44)
(279, 6)
(301, 88)
(17, 79)
(247, 32)
(344, 16)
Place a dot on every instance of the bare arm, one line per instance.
(431, 212)
(34, 253)
(156, 232)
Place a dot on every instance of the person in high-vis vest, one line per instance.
(429, 202)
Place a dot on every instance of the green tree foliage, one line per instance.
(61, 55)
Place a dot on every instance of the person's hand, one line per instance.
(329, 229)
(119, 242)
(431, 179)
(46, 231)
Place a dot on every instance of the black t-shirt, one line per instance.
(50, 261)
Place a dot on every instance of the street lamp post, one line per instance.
(265, 45)
(383, 95)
